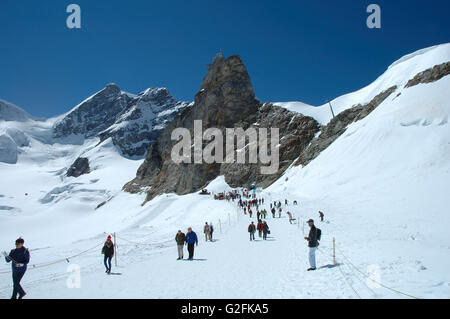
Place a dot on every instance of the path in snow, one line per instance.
(229, 267)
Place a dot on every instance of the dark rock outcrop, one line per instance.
(226, 100)
(79, 167)
(430, 75)
(296, 132)
(226, 97)
(338, 125)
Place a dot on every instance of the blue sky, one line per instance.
(293, 50)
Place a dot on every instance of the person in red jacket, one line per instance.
(260, 228)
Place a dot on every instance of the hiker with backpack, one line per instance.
(191, 240)
(108, 252)
(252, 230)
(313, 242)
(20, 257)
(180, 237)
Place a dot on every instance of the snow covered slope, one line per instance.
(398, 73)
(383, 186)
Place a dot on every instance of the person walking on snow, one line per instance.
(260, 228)
(252, 230)
(207, 231)
(313, 242)
(273, 212)
(19, 257)
(265, 229)
(290, 217)
(180, 237)
(250, 213)
(321, 215)
(191, 240)
(211, 230)
(108, 252)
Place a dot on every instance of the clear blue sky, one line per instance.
(293, 50)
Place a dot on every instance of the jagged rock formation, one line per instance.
(337, 126)
(142, 121)
(133, 122)
(79, 167)
(296, 132)
(430, 75)
(226, 100)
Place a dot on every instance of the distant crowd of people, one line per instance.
(247, 201)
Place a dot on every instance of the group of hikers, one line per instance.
(20, 256)
(262, 227)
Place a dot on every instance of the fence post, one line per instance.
(115, 250)
(220, 226)
(334, 253)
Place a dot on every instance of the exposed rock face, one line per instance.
(430, 75)
(226, 100)
(296, 132)
(338, 125)
(133, 122)
(143, 120)
(79, 167)
(93, 115)
(226, 97)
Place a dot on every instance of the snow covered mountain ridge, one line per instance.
(133, 122)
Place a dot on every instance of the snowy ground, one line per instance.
(383, 186)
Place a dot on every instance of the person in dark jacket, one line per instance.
(108, 252)
(211, 229)
(265, 229)
(191, 240)
(321, 215)
(312, 244)
(252, 230)
(180, 238)
(19, 257)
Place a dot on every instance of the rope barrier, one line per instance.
(145, 244)
(379, 283)
(354, 290)
(67, 259)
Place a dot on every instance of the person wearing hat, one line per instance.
(312, 244)
(19, 257)
(108, 252)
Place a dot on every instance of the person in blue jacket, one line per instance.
(191, 239)
(19, 257)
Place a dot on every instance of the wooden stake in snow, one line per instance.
(115, 250)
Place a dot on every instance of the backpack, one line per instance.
(318, 233)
